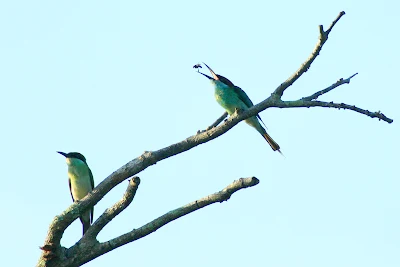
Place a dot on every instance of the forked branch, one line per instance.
(88, 248)
(116, 209)
(323, 37)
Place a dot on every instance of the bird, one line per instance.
(80, 180)
(232, 98)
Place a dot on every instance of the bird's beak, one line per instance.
(211, 78)
(62, 153)
(214, 76)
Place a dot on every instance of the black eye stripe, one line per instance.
(76, 155)
(225, 80)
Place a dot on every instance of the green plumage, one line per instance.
(232, 97)
(80, 180)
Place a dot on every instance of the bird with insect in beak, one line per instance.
(80, 180)
(232, 98)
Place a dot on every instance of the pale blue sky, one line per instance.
(112, 79)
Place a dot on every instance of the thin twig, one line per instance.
(308, 104)
(334, 22)
(340, 82)
(216, 123)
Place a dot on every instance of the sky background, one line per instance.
(112, 79)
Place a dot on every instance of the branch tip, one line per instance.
(323, 37)
(255, 180)
(352, 75)
(334, 22)
(338, 83)
(134, 181)
(321, 30)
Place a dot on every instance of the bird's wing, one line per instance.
(92, 184)
(70, 189)
(245, 99)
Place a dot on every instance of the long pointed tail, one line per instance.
(85, 224)
(85, 227)
(274, 145)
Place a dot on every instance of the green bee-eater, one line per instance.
(80, 180)
(232, 97)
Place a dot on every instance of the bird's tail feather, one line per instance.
(85, 225)
(274, 145)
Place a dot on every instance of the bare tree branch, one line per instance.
(52, 248)
(116, 209)
(323, 37)
(307, 104)
(79, 256)
(340, 82)
(332, 25)
(216, 123)
(152, 226)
